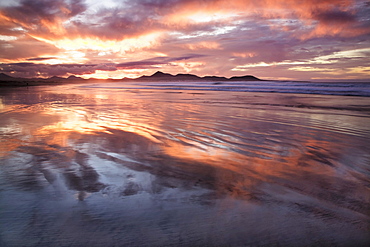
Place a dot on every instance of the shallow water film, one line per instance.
(84, 166)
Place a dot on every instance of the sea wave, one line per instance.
(321, 88)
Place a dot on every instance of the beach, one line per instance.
(185, 164)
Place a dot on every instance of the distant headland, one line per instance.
(159, 76)
(9, 81)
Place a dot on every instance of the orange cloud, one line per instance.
(244, 54)
(189, 66)
(211, 45)
(322, 17)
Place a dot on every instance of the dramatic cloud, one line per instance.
(282, 39)
(29, 69)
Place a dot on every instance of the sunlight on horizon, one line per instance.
(120, 46)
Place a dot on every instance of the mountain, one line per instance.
(9, 81)
(75, 78)
(244, 78)
(214, 78)
(61, 79)
(187, 77)
(158, 76)
(55, 78)
(5, 77)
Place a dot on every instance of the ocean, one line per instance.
(297, 87)
(259, 163)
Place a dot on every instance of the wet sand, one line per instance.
(130, 167)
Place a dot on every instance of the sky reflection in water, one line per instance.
(146, 167)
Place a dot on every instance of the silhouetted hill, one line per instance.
(9, 81)
(61, 79)
(157, 76)
(5, 77)
(187, 77)
(55, 78)
(214, 78)
(75, 78)
(244, 78)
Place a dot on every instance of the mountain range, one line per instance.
(6, 80)
(189, 77)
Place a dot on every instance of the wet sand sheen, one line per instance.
(85, 166)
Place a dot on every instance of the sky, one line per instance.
(270, 39)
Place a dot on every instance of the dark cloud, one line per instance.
(34, 11)
(40, 58)
(335, 16)
(43, 16)
(29, 69)
(133, 19)
(46, 70)
(156, 61)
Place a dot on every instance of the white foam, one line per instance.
(354, 89)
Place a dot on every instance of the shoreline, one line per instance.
(110, 163)
(203, 87)
(17, 84)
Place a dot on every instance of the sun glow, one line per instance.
(122, 46)
(66, 57)
(200, 17)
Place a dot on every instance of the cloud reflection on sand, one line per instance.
(187, 152)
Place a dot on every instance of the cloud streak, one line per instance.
(40, 58)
